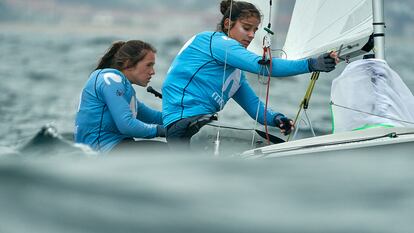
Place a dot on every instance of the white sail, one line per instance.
(256, 45)
(319, 26)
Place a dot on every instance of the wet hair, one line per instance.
(123, 54)
(239, 10)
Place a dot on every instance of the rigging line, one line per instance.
(230, 127)
(270, 14)
(267, 60)
(372, 114)
(260, 74)
(258, 105)
(282, 53)
(225, 57)
(217, 142)
(304, 104)
(274, 139)
(267, 94)
(262, 71)
(260, 80)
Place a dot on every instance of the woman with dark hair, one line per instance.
(109, 114)
(208, 71)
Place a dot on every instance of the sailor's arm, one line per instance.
(234, 54)
(120, 111)
(249, 101)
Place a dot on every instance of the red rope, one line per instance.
(267, 50)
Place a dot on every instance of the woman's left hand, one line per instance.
(285, 124)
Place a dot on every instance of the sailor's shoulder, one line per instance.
(110, 76)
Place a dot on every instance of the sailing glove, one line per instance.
(160, 131)
(285, 124)
(324, 63)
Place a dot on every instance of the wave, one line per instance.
(48, 142)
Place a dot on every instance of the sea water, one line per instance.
(47, 184)
(182, 193)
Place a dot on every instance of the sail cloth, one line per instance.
(369, 93)
(318, 26)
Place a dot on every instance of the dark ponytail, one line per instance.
(239, 10)
(106, 60)
(123, 54)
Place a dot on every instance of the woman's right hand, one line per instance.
(325, 62)
(161, 131)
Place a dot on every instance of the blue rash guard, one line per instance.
(194, 84)
(109, 112)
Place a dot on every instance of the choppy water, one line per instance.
(172, 193)
(48, 185)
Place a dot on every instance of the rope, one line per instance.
(267, 93)
(267, 63)
(231, 127)
(269, 25)
(217, 142)
(260, 77)
(305, 103)
(225, 57)
(372, 114)
(258, 108)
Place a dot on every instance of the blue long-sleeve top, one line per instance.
(109, 112)
(194, 84)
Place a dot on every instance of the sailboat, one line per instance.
(372, 109)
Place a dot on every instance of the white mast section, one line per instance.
(379, 28)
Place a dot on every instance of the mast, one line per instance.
(379, 28)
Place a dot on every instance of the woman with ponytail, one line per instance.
(209, 70)
(109, 114)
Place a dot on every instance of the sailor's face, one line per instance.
(141, 73)
(244, 30)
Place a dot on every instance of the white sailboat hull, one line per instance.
(378, 141)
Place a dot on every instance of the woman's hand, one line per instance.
(160, 131)
(285, 124)
(325, 62)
